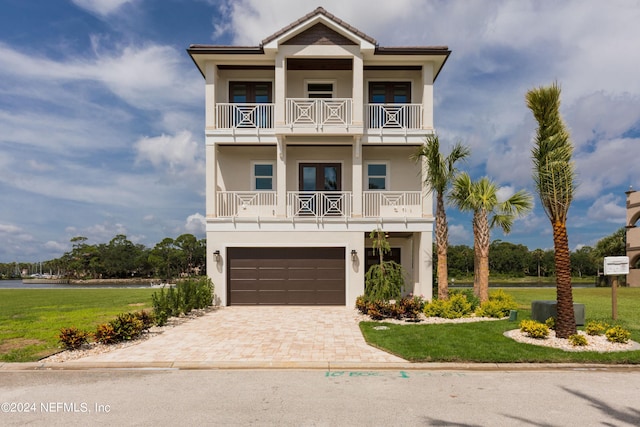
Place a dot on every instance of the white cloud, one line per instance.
(101, 7)
(9, 229)
(608, 208)
(195, 224)
(460, 235)
(177, 155)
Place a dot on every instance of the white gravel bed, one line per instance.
(97, 348)
(598, 343)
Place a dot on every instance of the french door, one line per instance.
(316, 183)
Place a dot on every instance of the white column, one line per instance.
(358, 91)
(211, 79)
(280, 89)
(422, 243)
(211, 178)
(281, 177)
(427, 95)
(356, 177)
(427, 197)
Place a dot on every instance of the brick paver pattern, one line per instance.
(257, 334)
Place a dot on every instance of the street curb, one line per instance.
(324, 366)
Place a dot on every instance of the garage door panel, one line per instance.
(297, 276)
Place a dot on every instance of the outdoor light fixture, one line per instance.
(354, 255)
(216, 254)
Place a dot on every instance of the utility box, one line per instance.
(541, 310)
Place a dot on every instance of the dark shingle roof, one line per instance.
(319, 11)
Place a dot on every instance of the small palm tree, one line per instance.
(440, 172)
(554, 177)
(481, 198)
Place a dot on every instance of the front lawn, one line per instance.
(485, 342)
(30, 319)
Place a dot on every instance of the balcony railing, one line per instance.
(312, 204)
(254, 204)
(392, 204)
(244, 116)
(318, 113)
(394, 116)
(319, 204)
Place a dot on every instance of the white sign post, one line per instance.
(615, 266)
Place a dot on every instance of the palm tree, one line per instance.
(481, 198)
(440, 172)
(554, 177)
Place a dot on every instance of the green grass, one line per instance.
(485, 342)
(30, 319)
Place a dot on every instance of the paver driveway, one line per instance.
(258, 334)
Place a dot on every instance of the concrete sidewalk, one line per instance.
(257, 335)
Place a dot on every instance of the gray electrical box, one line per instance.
(541, 310)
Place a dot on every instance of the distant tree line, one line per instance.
(121, 258)
(513, 260)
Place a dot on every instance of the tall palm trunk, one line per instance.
(442, 237)
(483, 232)
(565, 320)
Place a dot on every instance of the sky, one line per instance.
(102, 110)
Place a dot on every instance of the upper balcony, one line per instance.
(319, 115)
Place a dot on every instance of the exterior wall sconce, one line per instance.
(216, 255)
(354, 255)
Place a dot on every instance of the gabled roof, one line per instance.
(309, 16)
(327, 29)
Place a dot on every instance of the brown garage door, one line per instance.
(280, 276)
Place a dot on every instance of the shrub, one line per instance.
(577, 340)
(595, 328)
(618, 334)
(468, 293)
(404, 308)
(105, 334)
(412, 305)
(183, 298)
(534, 329)
(126, 326)
(146, 317)
(455, 307)
(72, 338)
(499, 305)
(551, 323)
(384, 281)
(361, 304)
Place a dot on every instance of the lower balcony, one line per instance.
(319, 205)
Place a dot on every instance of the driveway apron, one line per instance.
(257, 334)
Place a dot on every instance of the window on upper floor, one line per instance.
(377, 177)
(250, 92)
(262, 175)
(320, 89)
(390, 92)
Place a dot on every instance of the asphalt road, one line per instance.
(556, 397)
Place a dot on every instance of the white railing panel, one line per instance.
(319, 112)
(392, 204)
(394, 116)
(244, 116)
(319, 204)
(253, 204)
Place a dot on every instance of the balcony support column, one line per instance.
(422, 259)
(281, 178)
(427, 95)
(211, 177)
(211, 79)
(279, 89)
(358, 92)
(356, 170)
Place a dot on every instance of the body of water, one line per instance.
(17, 284)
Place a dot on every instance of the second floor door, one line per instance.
(316, 183)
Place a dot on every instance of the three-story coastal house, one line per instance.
(308, 144)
